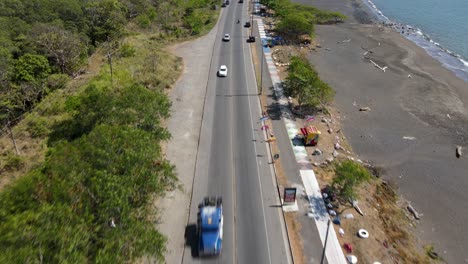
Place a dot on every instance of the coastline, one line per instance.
(446, 57)
(417, 117)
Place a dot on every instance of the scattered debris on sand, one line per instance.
(458, 152)
(413, 212)
(363, 109)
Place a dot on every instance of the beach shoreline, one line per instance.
(418, 116)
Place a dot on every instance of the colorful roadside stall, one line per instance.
(311, 135)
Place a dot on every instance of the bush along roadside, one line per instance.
(89, 201)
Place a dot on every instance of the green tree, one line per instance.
(105, 20)
(304, 84)
(295, 25)
(31, 68)
(349, 175)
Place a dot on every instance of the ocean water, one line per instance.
(439, 26)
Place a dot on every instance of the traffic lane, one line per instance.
(312, 245)
(253, 235)
(277, 233)
(221, 179)
(204, 181)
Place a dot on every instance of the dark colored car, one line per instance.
(247, 24)
(251, 39)
(223, 5)
(241, 1)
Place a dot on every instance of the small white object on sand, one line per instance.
(351, 259)
(458, 152)
(341, 232)
(413, 212)
(378, 66)
(366, 108)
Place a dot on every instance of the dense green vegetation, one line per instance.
(297, 19)
(90, 201)
(304, 84)
(61, 212)
(59, 35)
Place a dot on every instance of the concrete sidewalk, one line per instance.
(316, 207)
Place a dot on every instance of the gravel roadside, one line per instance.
(188, 97)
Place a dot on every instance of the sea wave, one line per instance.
(449, 59)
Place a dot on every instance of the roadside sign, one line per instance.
(289, 195)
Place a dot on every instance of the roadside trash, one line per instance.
(329, 205)
(337, 221)
(317, 152)
(413, 212)
(341, 232)
(348, 247)
(335, 153)
(332, 212)
(362, 109)
(330, 159)
(458, 151)
(349, 216)
(351, 259)
(338, 146)
(356, 206)
(362, 233)
(316, 164)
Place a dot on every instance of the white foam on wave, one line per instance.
(433, 48)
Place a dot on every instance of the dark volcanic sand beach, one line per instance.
(429, 109)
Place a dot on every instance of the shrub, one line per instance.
(57, 81)
(127, 50)
(13, 162)
(349, 175)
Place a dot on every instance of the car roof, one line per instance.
(223, 67)
(211, 217)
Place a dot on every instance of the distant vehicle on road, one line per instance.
(247, 24)
(241, 1)
(226, 37)
(210, 226)
(223, 4)
(227, 2)
(251, 39)
(223, 71)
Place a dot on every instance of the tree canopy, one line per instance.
(304, 84)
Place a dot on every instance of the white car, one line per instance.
(222, 72)
(226, 37)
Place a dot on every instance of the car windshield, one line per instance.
(211, 229)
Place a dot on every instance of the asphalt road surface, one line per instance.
(232, 159)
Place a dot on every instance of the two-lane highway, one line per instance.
(232, 159)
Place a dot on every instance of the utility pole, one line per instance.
(11, 133)
(261, 69)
